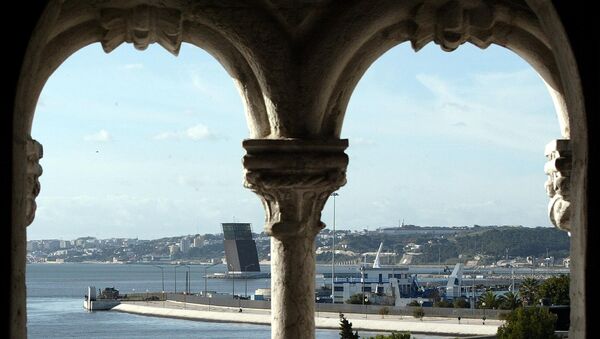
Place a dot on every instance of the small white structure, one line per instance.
(262, 294)
(453, 288)
(376, 263)
(105, 301)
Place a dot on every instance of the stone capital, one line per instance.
(294, 178)
(558, 169)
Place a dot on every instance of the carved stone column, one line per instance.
(293, 178)
(558, 169)
(32, 185)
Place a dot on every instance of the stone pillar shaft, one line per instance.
(293, 178)
(293, 287)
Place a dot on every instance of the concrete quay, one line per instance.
(327, 320)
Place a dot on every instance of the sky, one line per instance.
(148, 145)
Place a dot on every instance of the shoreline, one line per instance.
(324, 320)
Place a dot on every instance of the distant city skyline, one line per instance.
(142, 144)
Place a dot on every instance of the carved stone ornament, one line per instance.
(558, 169)
(455, 22)
(142, 25)
(34, 153)
(294, 179)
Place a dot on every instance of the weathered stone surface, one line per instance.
(296, 64)
(34, 153)
(142, 25)
(456, 22)
(558, 169)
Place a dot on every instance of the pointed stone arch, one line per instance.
(68, 26)
(530, 28)
(446, 23)
(296, 64)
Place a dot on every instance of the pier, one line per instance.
(325, 320)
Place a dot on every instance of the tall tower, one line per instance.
(240, 248)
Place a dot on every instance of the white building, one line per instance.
(395, 282)
(184, 244)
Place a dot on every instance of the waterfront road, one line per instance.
(372, 322)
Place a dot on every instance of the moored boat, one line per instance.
(104, 300)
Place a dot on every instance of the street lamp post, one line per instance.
(189, 279)
(162, 274)
(175, 269)
(186, 287)
(483, 304)
(230, 270)
(365, 301)
(246, 280)
(473, 288)
(205, 277)
(362, 278)
(334, 194)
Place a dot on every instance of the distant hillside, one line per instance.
(491, 242)
(520, 241)
(426, 245)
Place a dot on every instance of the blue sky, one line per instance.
(144, 144)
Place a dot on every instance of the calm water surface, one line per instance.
(55, 303)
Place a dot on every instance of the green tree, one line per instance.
(435, 295)
(443, 303)
(488, 300)
(346, 329)
(529, 290)
(556, 290)
(357, 299)
(530, 323)
(419, 313)
(509, 301)
(384, 311)
(413, 303)
(461, 303)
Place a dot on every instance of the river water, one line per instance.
(55, 302)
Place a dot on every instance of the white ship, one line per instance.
(105, 300)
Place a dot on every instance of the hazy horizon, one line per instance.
(143, 144)
(254, 231)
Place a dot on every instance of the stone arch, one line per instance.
(64, 27)
(446, 23)
(530, 28)
(67, 27)
(297, 63)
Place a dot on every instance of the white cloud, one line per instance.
(100, 136)
(198, 132)
(133, 66)
(195, 133)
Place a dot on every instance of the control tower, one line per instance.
(240, 248)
